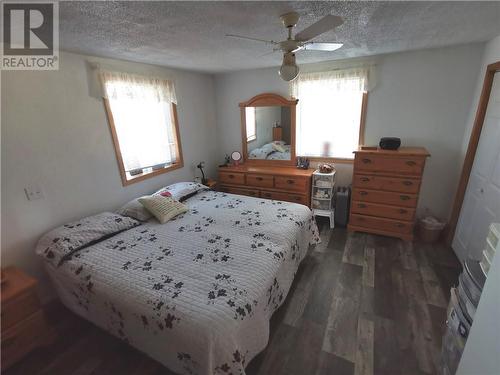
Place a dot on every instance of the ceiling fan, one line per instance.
(301, 42)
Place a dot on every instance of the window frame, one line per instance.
(361, 138)
(143, 176)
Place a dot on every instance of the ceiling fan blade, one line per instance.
(312, 46)
(325, 24)
(249, 38)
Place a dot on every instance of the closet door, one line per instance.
(481, 204)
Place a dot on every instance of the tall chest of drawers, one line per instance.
(269, 182)
(386, 185)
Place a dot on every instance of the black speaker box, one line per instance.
(390, 143)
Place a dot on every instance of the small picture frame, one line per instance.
(302, 162)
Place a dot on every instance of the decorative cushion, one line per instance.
(278, 147)
(183, 190)
(163, 208)
(135, 209)
(63, 242)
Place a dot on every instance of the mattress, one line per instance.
(196, 293)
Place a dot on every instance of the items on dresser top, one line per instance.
(386, 184)
(322, 194)
(389, 143)
(303, 162)
(279, 183)
(23, 323)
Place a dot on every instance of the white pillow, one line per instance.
(135, 209)
(62, 243)
(182, 190)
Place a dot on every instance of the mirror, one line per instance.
(268, 132)
(268, 129)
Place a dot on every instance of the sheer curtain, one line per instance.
(142, 113)
(250, 123)
(329, 111)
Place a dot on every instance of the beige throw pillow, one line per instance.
(163, 208)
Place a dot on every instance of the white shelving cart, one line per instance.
(322, 195)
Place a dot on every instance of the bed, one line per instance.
(267, 152)
(196, 293)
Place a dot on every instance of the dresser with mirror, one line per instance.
(268, 147)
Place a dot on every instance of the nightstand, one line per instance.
(23, 322)
(212, 184)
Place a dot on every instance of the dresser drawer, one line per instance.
(240, 191)
(290, 183)
(377, 163)
(232, 178)
(403, 185)
(287, 197)
(260, 180)
(380, 210)
(23, 337)
(381, 224)
(377, 196)
(19, 308)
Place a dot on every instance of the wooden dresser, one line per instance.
(23, 323)
(385, 190)
(280, 183)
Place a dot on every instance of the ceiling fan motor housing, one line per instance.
(290, 19)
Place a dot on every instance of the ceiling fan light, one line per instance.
(289, 69)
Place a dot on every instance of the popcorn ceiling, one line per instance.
(190, 35)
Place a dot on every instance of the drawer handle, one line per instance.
(365, 179)
(362, 205)
(363, 193)
(366, 161)
(402, 211)
(400, 225)
(411, 163)
(404, 197)
(290, 182)
(407, 183)
(231, 176)
(259, 178)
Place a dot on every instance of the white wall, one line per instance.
(483, 345)
(55, 134)
(421, 96)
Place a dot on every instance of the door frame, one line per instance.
(491, 69)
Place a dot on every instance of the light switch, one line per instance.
(33, 192)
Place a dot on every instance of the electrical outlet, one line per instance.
(33, 192)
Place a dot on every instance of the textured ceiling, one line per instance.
(190, 35)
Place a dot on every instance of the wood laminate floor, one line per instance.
(360, 304)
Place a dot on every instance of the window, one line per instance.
(143, 120)
(330, 113)
(250, 123)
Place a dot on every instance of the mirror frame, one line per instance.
(269, 100)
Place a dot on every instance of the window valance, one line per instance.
(119, 85)
(341, 80)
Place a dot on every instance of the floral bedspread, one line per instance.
(197, 292)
